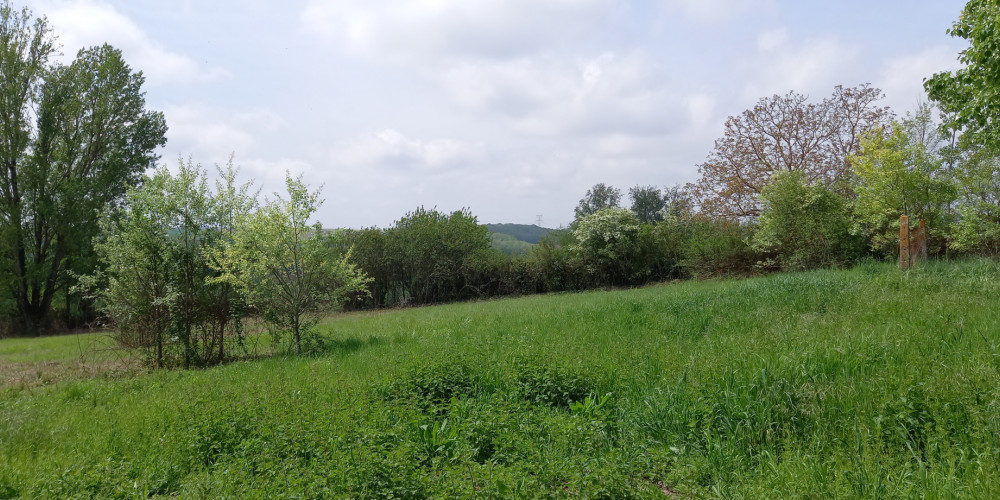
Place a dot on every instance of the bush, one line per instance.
(716, 247)
(804, 226)
(426, 257)
(607, 242)
(553, 386)
(660, 252)
(157, 284)
(557, 268)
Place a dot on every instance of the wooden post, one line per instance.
(920, 252)
(904, 242)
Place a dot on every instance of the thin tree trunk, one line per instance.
(296, 328)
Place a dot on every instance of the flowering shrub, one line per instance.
(607, 241)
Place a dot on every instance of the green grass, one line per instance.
(861, 383)
(47, 349)
(31, 362)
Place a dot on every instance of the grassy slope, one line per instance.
(866, 382)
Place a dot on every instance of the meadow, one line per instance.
(863, 383)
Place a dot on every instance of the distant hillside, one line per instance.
(509, 244)
(529, 234)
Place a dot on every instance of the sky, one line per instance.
(510, 108)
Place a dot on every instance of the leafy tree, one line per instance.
(977, 178)
(598, 197)
(607, 241)
(970, 97)
(285, 267)
(74, 139)
(158, 285)
(786, 133)
(900, 173)
(648, 203)
(678, 201)
(804, 226)
(134, 287)
(431, 247)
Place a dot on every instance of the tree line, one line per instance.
(178, 268)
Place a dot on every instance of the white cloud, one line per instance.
(713, 11)
(212, 134)
(393, 150)
(84, 23)
(551, 96)
(811, 66)
(397, 103)
(428, 29)
(702, 109)
(262, 119)
(902, 77)
(269, 174)
(772, 40)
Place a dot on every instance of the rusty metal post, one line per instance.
(904, 242)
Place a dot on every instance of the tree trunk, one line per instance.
(297, 332)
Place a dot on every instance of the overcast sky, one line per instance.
(512, 108)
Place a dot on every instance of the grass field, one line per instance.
(861, 383)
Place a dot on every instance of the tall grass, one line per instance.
(862, 383)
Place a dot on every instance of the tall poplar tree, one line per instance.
(73, 138)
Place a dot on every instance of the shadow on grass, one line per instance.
(349, 345)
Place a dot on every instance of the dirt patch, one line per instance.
(668, 491)
(38, 374)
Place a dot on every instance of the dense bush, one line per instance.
(430, 257)
(804, 226)
(717, 247)
(420, 260)
(607, 243)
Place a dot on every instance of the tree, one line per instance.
(430, 248)
(598, 197)
(977, 180)
(607, 241)
(804, 226)
(648, 203)
(133, 289)
(157, 284)
(901, 173)
(970, 97)
(74, 138)
(677, 201)
(285, 267)
(783, 134)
